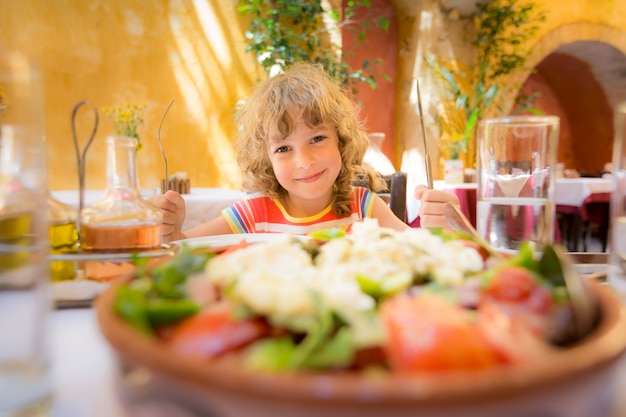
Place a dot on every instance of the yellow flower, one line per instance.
(126, 119)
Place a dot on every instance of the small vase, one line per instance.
(375, 157)
(453, 171)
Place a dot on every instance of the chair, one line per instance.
(595, 211)
(394, 195)
(569, 225)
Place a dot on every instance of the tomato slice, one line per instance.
(233, 248)
(513, 337)
(511, 283)
(516, 293)
(428, 333)
(214, 332)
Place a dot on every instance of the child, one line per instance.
(300, 148)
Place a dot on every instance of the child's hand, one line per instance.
(432, 207)
(172, 205)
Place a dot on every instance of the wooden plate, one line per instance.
(576, 381)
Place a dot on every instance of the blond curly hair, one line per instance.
(304, 92)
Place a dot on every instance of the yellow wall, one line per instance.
(115, 51)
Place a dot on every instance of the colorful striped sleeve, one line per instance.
(239, 217)
(366, 199)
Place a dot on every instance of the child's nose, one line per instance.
(305, 159)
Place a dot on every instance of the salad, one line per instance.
(419, 300)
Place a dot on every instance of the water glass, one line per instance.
(516, 169)
(617, 267)
(25, 378)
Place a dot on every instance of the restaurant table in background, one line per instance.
(567, 192)
(571, 194)
(202, 204)
(573, 191)
(466, 192)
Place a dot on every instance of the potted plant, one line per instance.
(453, 166)
(283, 32)
(502, 28)
(452, 141)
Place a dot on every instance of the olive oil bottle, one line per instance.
(15, 232)
(63, 236)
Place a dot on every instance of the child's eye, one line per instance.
(318, 138)
(281, 149)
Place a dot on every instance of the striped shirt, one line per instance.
(261, 214)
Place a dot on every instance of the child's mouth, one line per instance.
(312, 178)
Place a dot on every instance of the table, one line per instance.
(202, 204)
(466, 193)
(567, 192)
(573, 191)
(83, 367)
(570, 195)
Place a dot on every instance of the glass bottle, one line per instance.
(63, 235)
(122, 221)
(25, 371)
(17, 214)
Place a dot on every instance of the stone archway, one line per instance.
(561, 38)
(570, 89)
(580, 70)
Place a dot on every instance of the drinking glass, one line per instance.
(617, 267)
(25, 379)
(516, 168)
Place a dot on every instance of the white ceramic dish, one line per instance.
(219, 241)
(81, 291)
(76, 293)
(166, 249)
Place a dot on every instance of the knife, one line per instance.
(429, 173)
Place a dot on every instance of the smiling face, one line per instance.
(306, 164)
(269, 116)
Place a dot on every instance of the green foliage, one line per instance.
(502, 28)
(282, 32)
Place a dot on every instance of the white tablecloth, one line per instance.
(83, 367)
(573, 191)
(567, 191)
(202, 204)
(413, 204)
